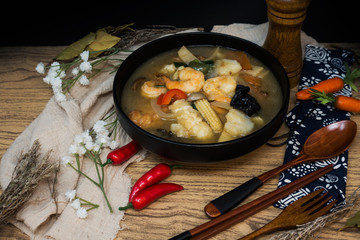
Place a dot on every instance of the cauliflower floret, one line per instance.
(226, 67)
(238, 124)
(180, 106)
(202, 130)
(190, 120)
(179, 130)
(168, 69)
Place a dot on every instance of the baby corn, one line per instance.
(206, 111)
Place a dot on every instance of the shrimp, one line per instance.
(190, 80)
(189, 121)
(153, 88)
(220, 88)
(237, 123)
(145, 120)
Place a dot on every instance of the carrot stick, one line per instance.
(327, 86)
(349, 104)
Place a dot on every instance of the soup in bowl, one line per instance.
(201, 97)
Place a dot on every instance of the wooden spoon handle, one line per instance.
(232, 198)
(301, 158)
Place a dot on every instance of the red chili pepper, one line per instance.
(173, 94)
(122, 154)
(150, 194)
(154, 175)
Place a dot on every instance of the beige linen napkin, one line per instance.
(55, 128)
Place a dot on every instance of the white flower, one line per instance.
(103, 140)
(96, 147)
(84, 80)
(75, 71)
(40, 68)
(81, 150)
(66, 159)
(50, 76)
(76, 204)
(70, 195)
(81, 213)
(56, 89)
(85, 67)
(89, 145)
(47, 79)
(56, 82)
(73, 149)
(60, 97)
(62, 74)
(99, 128)
(86, 136)
(55, 66)
(114, 144)
(79, 139)
(84, 56)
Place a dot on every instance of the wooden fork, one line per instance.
(304, 210)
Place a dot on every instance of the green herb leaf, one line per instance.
(322, 96)
(203, 66)
(350, 77)
(76, 48)
(180, 64)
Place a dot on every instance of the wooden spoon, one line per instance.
(327, 142)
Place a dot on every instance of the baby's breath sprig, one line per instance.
(82, 69)
(89, 144)
(81, 205)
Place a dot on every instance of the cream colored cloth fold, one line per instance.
(257, 33)
(55, 128)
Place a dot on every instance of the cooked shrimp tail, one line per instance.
(190, 80)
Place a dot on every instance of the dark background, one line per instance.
(61, 23)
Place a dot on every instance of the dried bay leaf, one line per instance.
(353, 221)
(102, 42)
(76, 48)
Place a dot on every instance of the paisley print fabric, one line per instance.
(308, 116)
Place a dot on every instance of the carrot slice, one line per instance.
(255, 81)
(242, 58)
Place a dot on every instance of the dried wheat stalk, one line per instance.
(29, 171)
(130, 38)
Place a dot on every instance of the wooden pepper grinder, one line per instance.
(283, 37)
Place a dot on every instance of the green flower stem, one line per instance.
(89, 209)
(87, 203)
(109, 116)
(106, 199)
(86, 176)
(97, 184)
(95, 157)
(77, 161)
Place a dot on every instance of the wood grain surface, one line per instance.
(23, 95)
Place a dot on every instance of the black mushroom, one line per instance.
(243, 101)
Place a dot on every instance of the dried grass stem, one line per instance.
(29, 171)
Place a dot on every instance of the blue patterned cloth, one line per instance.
(308, 116)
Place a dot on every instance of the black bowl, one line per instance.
(199, 153)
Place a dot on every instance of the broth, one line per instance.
(140, 108)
